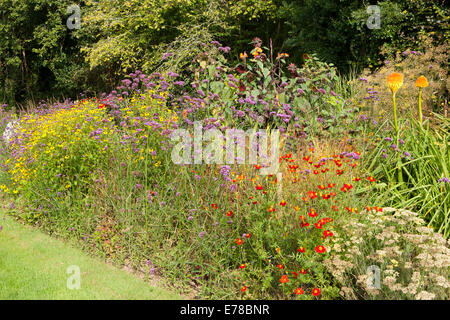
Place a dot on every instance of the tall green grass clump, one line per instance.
(424, 168)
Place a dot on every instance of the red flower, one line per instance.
(302, 271)
(214, 206)
(316, 292)
(295, 274)
(356, 179)
(229, 213)
(322, 187)
(244, 288)
(326, 196)
(284, 279)
(327, 233)
(331, 185)
(280, 266)
(301, 249)
(259, 187)
(299, 291)
(346, 187)
(283, 203)
(312, 213)
(320, 249)
(316, 171)
(312, 194)
(339, 172)
(371, 179)
(239, 241)
(304, 224)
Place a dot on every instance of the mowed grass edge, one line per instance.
(34, 266)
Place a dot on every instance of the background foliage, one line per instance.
(40, 57)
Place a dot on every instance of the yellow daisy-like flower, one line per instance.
(395, 81)
(421, 82)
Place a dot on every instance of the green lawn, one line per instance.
(34, 266)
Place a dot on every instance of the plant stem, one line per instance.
(400, 176)
(420, 106)
(395, 115)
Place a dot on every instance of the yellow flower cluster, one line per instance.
(51, 144)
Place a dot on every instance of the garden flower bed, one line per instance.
(101, 171)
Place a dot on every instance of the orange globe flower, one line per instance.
(395, 81)
(421, 82)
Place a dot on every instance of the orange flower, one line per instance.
(229, 213)
(299, 291)
(239, 241)
(421, 82)
(284, 279)
(256, 52)
(282, 55)
(243, 55)
(395, 81)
